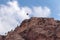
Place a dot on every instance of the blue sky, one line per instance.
(13, 12)
(54, 5)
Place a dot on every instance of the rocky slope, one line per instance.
(35, 29)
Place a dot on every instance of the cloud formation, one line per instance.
(12, 15)
(41, 12)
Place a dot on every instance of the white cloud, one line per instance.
(41, 12)
(12, 15)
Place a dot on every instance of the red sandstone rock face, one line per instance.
(35, 29)
(1, 38)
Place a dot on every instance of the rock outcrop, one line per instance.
(35, 29)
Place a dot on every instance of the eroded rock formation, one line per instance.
(35, 29)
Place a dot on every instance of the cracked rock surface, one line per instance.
(35, 29)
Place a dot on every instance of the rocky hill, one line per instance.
(35, 29)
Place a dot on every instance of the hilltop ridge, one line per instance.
(35, 29)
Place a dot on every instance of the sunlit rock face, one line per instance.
(35, 29)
